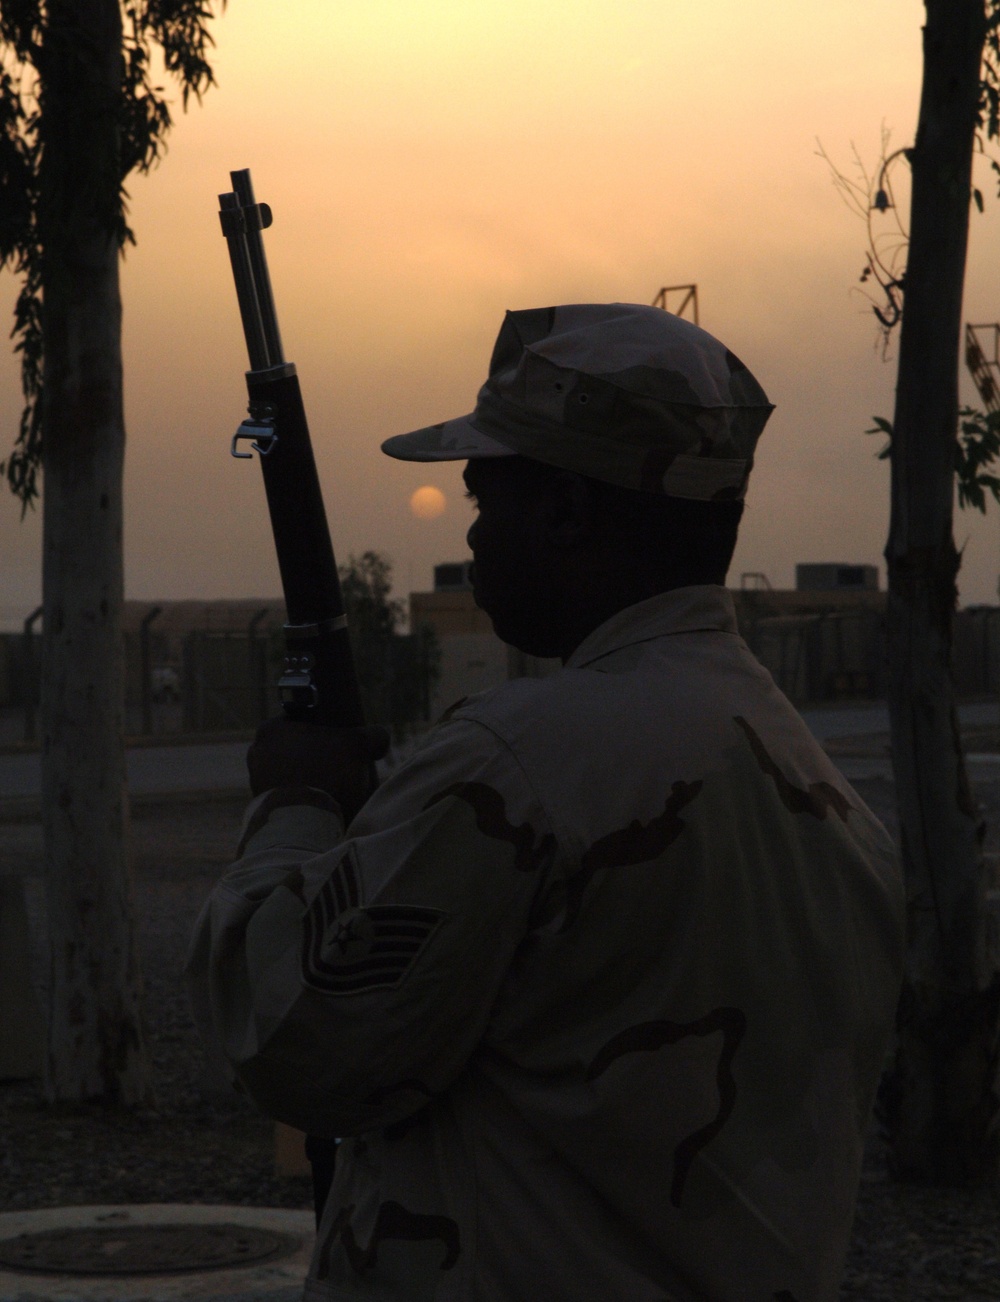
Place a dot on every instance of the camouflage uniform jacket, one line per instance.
(598, 985)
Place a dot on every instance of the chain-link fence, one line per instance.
(211, 668)
(196, 668)
(837, 655)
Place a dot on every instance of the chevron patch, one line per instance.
(348, 949)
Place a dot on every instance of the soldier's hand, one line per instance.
(340, 761)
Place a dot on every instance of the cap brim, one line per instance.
(452, 440)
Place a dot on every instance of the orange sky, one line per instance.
(431, 163)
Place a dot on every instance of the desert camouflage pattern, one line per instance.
(626, 394)
(597, 986)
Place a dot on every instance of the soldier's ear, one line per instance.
(570, 514)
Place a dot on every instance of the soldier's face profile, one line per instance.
(513, 579)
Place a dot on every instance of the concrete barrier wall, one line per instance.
(822, 657)
(838, 655)
(20, 668)
(976, 651)
(227, 681)
(209, 680)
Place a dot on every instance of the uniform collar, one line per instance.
(706, 608)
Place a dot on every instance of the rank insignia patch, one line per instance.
(348, 949)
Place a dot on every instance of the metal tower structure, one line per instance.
(688, 301)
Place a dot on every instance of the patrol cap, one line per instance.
(624, 393)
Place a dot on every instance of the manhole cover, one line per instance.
(143, 1249)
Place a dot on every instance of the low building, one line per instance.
(823, 640)
(472, 657)
(836, 577)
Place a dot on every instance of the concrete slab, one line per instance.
(862, 767)
(154, 772)
(845, 719)
(165, 772)
(199, 767)
(271, 1281)
(858, 767)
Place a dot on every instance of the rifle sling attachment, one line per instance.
(277, 372)
(237, 220)
(295, 632)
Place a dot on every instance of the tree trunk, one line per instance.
(96, 1048)
(938, 1103)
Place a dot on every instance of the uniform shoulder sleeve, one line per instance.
(349, 982)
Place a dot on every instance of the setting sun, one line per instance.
(428, 502)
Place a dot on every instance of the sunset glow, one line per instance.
(431, 163)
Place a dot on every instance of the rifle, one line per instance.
(319, 683)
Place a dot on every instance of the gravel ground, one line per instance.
(203, 1143)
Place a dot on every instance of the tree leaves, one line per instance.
(21, 28)
(871, 194)
(977, 448)
(989, 85)
(395, 671)
(882, 426)
(17, 171)
(180, 29)
(20, 250)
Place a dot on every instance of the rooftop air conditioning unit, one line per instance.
(453, 577)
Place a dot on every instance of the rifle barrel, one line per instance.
(234, 229)
(320, 680)
(257, 217)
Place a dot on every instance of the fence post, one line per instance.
(258, 664)
(30, 679)
(992, 679)
(191, 684)
(146, 669)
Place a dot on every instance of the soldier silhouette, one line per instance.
(624, 946)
